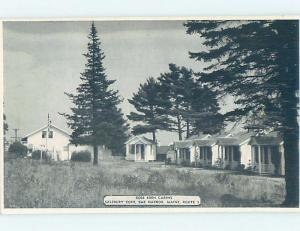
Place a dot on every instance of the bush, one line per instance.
(18, 149)
(218, 163)
(36, 155)
(84, 156)
(186, 163)
(240, 167)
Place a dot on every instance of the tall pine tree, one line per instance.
(258, 63)
(192, 104)
(152, 106)
(96, 118)
(205, 116)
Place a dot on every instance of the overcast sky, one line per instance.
(42, 60)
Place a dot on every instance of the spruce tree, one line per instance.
(205, 116)
(5, 125)
(152, 106)
(193, 106)
(96, 118)
(258, 63)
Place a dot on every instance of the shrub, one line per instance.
(240, 167)
(186, 163)
(218, 163)
(84, 156)
(36, 155)
(18, 149)
(168, 160)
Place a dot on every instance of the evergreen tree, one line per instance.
(96, 118)
(151, 105)
(205, 114)
(193, 106)
(176, 89)
(258, 63)
(5, 125)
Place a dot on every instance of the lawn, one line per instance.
(31, 184)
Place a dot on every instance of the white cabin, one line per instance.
(54, 140)
(140, 149)
(261, 154)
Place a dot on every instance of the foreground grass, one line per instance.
(30, 184)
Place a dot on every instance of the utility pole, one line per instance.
(16, 134)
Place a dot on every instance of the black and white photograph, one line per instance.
(151, 114)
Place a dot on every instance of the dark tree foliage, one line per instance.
(193, 106)
(257, 62)
(205, 114)
(96, 118)
(151, 106)
(5, 125)
(18, 149)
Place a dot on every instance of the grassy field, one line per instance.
(31, 184)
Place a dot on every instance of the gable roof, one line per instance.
(205, 142)
(183, 144)
(142, 139)
(198, 137)
(234, 140)
(265, 140)
(44, 127)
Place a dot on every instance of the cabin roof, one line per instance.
(235, 140)
(227, 141)
(142, 139)
(183, 144)
(44, 127)
(265, 140)
(205, 142)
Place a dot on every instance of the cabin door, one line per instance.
(143, 152)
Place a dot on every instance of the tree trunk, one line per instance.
(291, 154)
(291, 139)
(290, 74)
(95, 161)
(179, 128)
(187, 129)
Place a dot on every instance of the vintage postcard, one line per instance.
(150, 115)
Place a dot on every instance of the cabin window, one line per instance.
(236, 154)
(138, 148)
(201, 153)
(142, 148)
(256, 154)
(226, 153)
(230, 156)
(44, 134)
(209, 154)
(132, 149)
(265, 155)
(182, 153)
(187, 155)
(50, 134)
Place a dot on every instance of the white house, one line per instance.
(199, 150)
(50, 138)
(56, 142)
(233, 150)
(267, 155)
(261, 154)
(140, 149)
